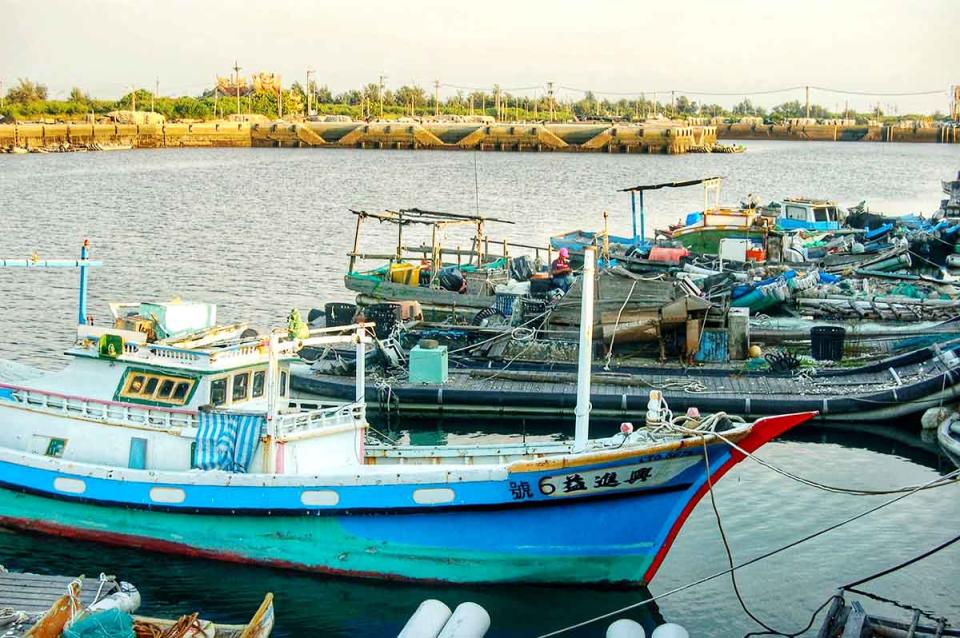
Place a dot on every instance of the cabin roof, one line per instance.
(809, 201)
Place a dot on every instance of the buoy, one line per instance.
(626, 428)
(626, 628)
(469, 620)
(654, 415)
(755, 352)
(670, 630)
(933, 417)
(427, 621)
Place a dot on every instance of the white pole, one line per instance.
(360, 370)
(586, 352)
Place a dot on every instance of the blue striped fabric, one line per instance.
(227, 440)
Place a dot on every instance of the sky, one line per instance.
(737, 47)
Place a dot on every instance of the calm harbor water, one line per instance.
(259, 231)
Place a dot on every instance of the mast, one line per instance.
(585, 351)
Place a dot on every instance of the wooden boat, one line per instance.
(948, 436)
(843, 621)
(888, 389)
(408, 272)
(228, 467)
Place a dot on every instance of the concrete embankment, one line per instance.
(520, 136)
(839, 133)
(670, 138)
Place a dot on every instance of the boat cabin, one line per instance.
(802, 213)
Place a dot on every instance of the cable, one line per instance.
(907, 94)
(757, 559)
(905, 563)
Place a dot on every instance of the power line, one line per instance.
(907, 94)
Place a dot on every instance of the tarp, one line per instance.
(654, 187)
(227, 440)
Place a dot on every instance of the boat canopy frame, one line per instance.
(710, 184)
(436, 221)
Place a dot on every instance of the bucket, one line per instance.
(826, 343)
(404, 273)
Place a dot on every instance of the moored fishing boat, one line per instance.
(948, 436)
(225, 466)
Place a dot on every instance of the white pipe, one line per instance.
(361, 367)
(427, 621)
(582, 411)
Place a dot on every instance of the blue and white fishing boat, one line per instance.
(189, 443)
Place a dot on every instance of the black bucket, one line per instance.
(339, 314)
(826, 343)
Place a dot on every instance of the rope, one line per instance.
(757, 559)
(613, 337)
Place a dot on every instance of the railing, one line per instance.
(112, 412)
(198, 358)
(319, 419)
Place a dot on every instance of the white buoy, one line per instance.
(469, 620)
(670, 630)
(933, 417)
(626, 628)
(427, 621)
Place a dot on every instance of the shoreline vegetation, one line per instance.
(29, 101)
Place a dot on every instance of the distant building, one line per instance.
(135, 117)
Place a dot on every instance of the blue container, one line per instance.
(713, 347)
(503, 302)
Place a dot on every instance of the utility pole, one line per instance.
(216, 98)
(436, 98)
(380, 94)
(156, 89)
(471, 104)
(279, 98)
(310, 92)
(236, 83)
(808, 102)
(550, 94)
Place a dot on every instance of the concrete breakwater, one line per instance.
(839, 133)
(672, 138)
(519, 136)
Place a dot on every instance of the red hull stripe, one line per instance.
(763, 431)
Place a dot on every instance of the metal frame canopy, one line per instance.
(708, 184)
(435, 219)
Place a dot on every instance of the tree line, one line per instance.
(29, 100)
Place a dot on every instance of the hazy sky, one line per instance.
(721, 46)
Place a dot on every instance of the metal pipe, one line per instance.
(582, 431)
(360, 367)
(643, 217)
(633, 213)
(82, 311)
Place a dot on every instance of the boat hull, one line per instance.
(706, 241)
(524, 526)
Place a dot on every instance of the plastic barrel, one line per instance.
(826, 343)
(339, 314)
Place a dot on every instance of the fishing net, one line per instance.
(109, 623)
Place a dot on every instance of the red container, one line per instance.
(667, 255)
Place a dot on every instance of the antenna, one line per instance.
(476, 182)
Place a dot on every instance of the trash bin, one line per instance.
(826, 343)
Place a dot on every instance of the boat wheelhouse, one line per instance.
(804, 213)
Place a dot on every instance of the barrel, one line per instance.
(826, 343)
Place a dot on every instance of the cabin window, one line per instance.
(259, 381)
(283, 383)
(180, 394)
(136, 384)
(218, 391)
(156, 387)
(56, 447)
(796, 212)
(821, 214)
(166, 389)
(240, 383)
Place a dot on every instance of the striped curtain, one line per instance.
(227, 441)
